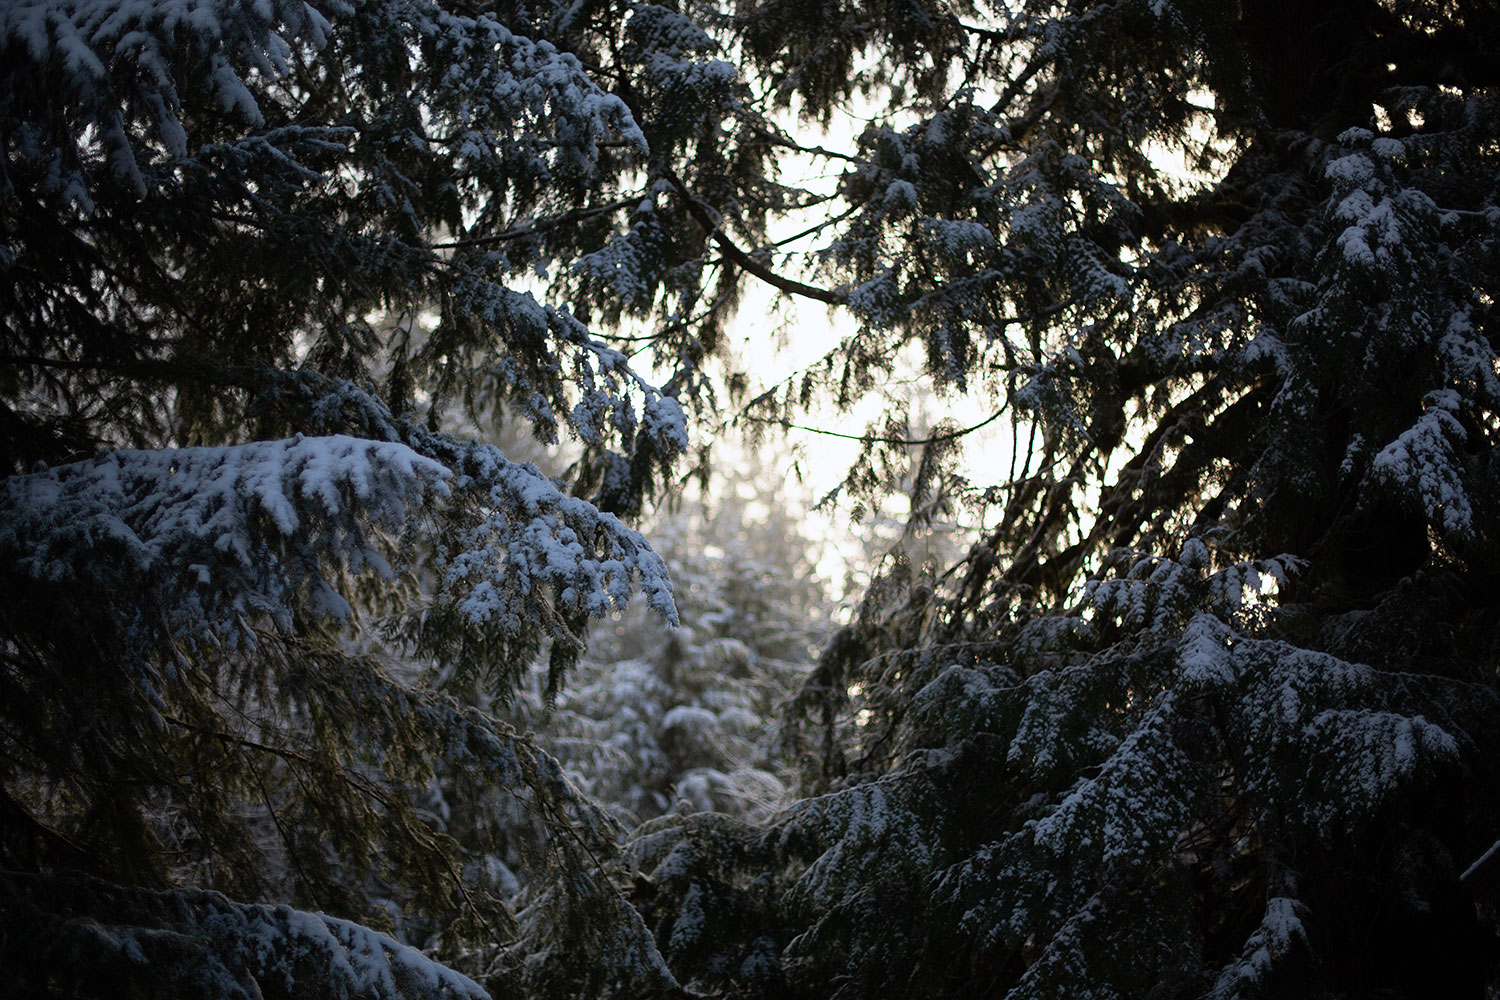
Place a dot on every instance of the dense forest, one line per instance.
(382, 614)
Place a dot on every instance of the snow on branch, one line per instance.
(1424, 461)
(120, 60)
(217, 531)
(515, 534)
(212, 533)
(1281, 934)
(529, 537)
(188, 942)
(129, 72)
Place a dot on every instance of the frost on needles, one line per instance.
(254, 557)
(1202, 704)
(213, 536)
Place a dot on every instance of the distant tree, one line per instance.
(693, 719)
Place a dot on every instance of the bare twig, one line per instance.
(705, 217)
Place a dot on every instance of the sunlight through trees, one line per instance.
(313, 686)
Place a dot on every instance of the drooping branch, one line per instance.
(705, 218)
(784, 142)
(534, 229)
(940, 438)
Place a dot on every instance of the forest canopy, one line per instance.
(297, 694)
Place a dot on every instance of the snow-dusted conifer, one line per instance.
(230, 525)
(1207, 710)
(1209, 707)
(691, 719)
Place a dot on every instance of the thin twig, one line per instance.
(520, 232)
(705, 217)
(877, 439)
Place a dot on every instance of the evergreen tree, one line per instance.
(655, 721)
(692, 719)
(231, 527)
(1208, 710)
